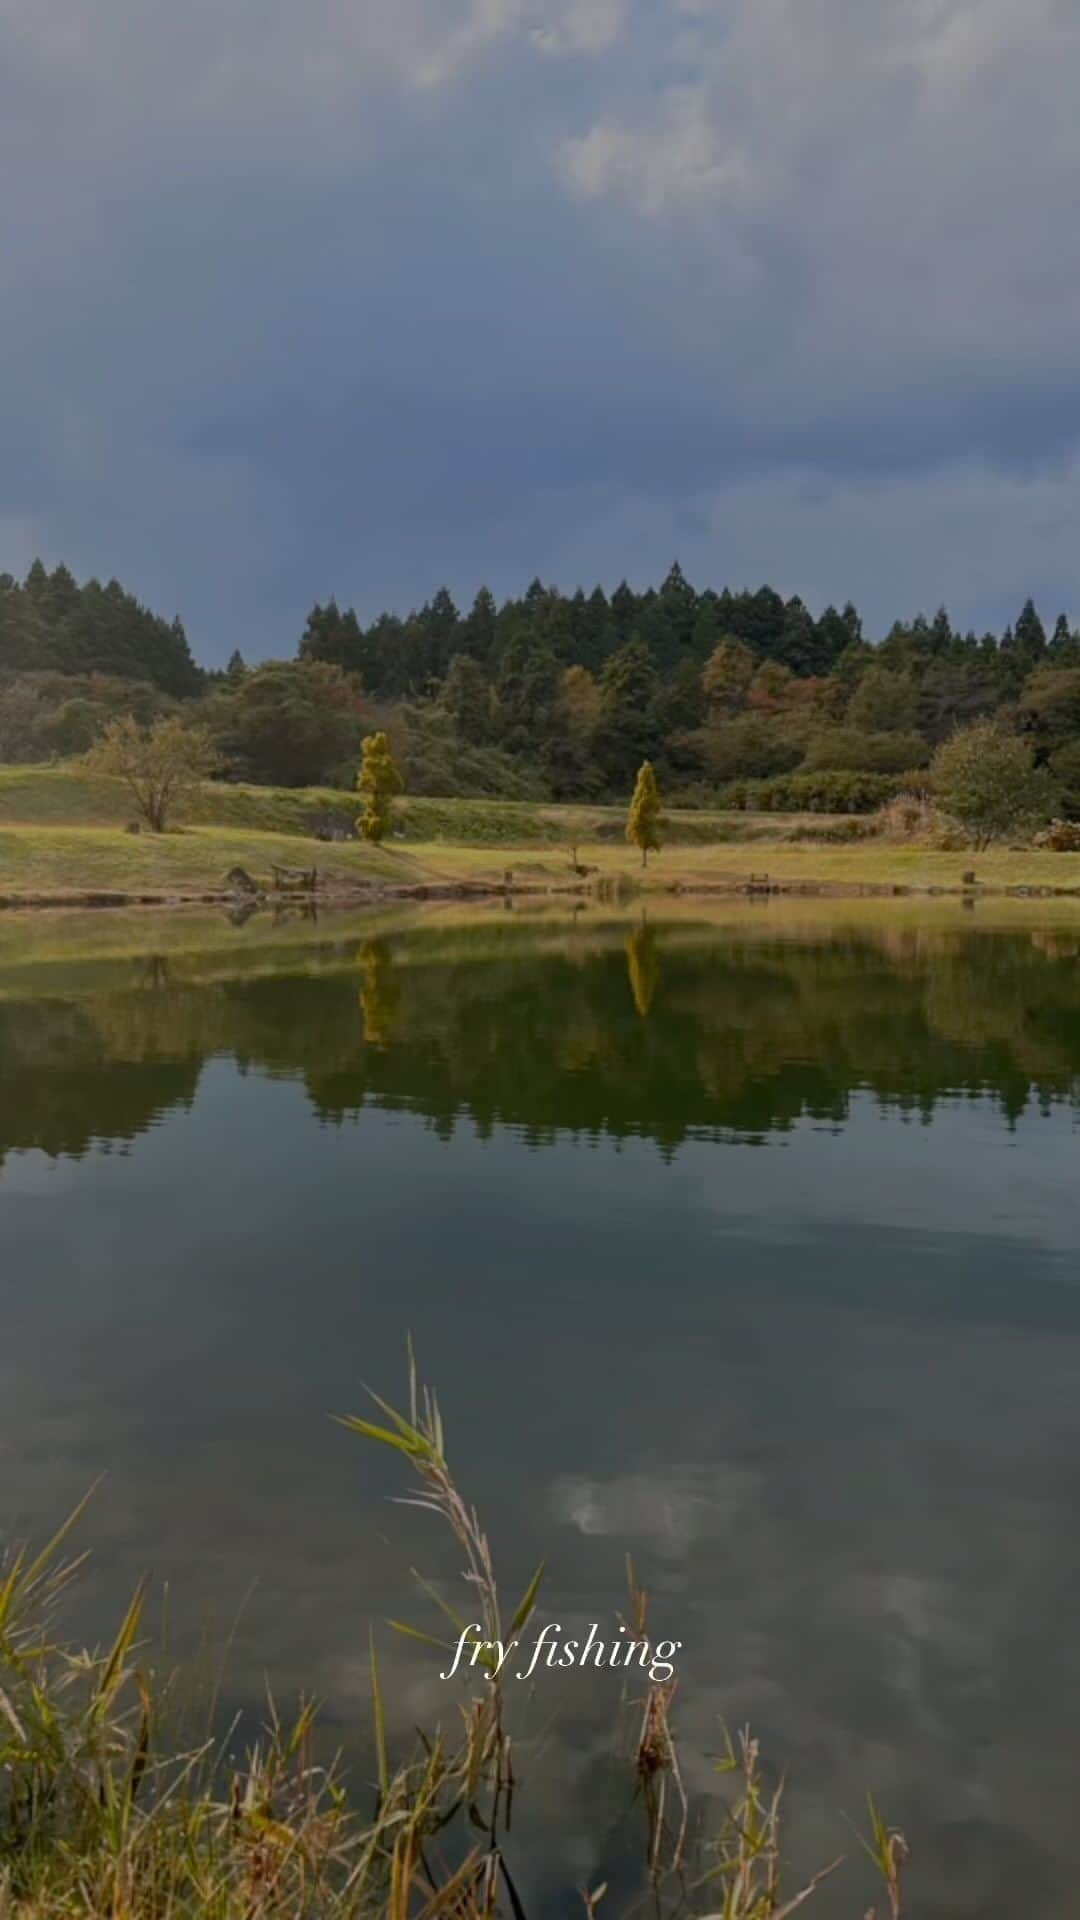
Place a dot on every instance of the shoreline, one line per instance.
(378, 894)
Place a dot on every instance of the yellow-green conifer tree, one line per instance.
(378, 781)
(642, 828)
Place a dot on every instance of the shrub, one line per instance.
(1065, 768)
(289, 724)
(883, 702)
(824, 792)
(987, 781)
(748, 747)
(49, 716)
(839, 833)
(1061, 836)
(845, 748)
(911, 816)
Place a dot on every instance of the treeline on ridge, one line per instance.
(552, 695)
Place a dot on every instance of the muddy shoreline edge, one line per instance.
(373, 895)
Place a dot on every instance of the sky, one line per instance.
(362, 297)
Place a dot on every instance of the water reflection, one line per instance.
(816, 1362)
(666, 1033)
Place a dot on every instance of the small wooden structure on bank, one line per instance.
(295, 879)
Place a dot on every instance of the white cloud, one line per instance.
(791, 242)
(857, 196)
(680, 160)
(208, 57)
(833, 96)
(578, 26)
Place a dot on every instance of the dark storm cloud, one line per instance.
(357, 298)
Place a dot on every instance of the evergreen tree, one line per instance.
(526, 691)
(941, 633)
(467, 698)
(1029, 636)
(629, 684)
(836, 632)
(705, 634)
(441, 623)
(668, 626)
(334, 637)
(571, 756)
(758, 618)
(386, 647)
(800, 645)
(593, 631)
(1063, 645)
(679, 702)
(643, 825)
(378, 781)
(624, 613)
(477, 636)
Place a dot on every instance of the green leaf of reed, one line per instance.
(528, 1600)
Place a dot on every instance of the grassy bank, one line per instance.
(66, 860)
(61, 833)
(194, 860)
(67, 795)
(865, 864)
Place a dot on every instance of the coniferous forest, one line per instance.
(732, 695)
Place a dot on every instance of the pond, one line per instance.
(744, 1242)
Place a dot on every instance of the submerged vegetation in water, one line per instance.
(104, 1811)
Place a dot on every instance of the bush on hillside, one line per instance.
(825, 792)
(751, 747)
(288, 724)
(1061, 836)
(912, 817)
(985, 779)
(1065, 768)
(845, 749)
(56, 716)
(438, 763)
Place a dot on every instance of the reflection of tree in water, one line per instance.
(752, 1032)
(643, 966)
(380, 993)
(64, 1087)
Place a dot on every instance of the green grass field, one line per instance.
(61, 832)
(194, 860)
(67, 795)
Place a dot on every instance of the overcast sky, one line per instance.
(358, 297)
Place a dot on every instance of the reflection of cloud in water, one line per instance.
(667, 1511)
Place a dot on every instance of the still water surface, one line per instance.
(746, 1245)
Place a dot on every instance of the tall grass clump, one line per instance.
(107, 1813)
